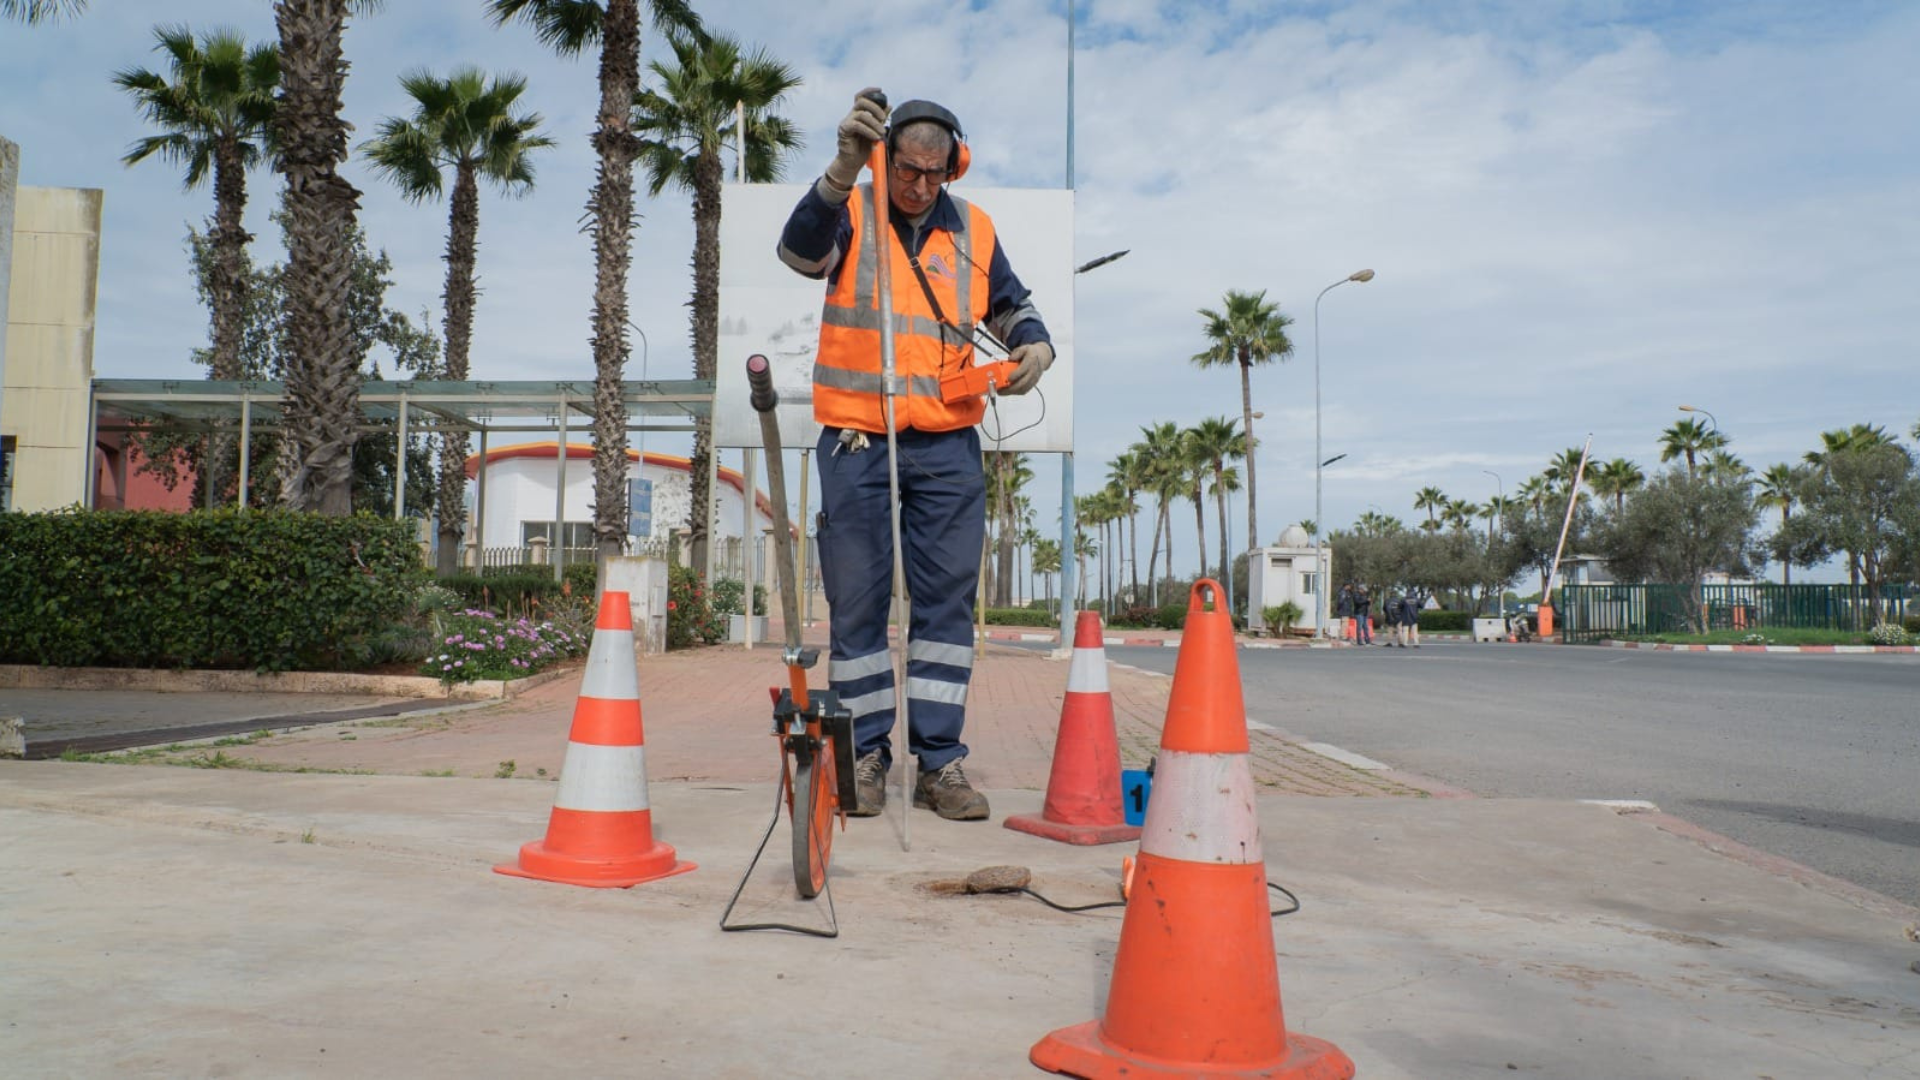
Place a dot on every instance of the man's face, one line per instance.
(916, 177)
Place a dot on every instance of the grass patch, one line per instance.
(1779, 635)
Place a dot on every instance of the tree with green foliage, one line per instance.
(569, 27)
(1616, 480)
(1679, 528)
(469, 124)
(1864, 502)
(685, 123)
(1007, 472)
(1159, 451)
(1247, 330)
(1432, 500)
(381, 337)
(1127, 475)
(1779, 489)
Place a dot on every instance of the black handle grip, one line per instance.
(760, 379)
(878, 97)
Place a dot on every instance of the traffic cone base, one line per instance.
(600, 834)
(1083, 790)
(1081, 1051)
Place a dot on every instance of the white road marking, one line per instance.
(1345, 757)
(1624, 805)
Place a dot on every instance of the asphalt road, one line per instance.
(1812, 757)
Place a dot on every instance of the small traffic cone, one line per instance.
(1195, 989)
(1083, 792)
(601, 832)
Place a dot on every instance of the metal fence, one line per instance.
(1598, 612)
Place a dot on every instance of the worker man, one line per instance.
(950, 283)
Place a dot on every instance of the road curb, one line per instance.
(1816, 650)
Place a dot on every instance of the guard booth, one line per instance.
(1288, 570)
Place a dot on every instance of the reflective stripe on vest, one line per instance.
(847, 377)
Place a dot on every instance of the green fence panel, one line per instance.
(1593, 613)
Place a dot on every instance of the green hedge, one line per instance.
(1446, 621)
(267, 590)
(1021, 617)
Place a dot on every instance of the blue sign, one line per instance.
(640, 508)
(1136, 785)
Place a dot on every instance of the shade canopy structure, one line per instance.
(403, 407)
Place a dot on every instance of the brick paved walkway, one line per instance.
(706, 713)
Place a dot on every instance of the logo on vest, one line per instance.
(937, 267)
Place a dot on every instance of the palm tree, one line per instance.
(1564, 470)
(464, 123)
(1246, 331)
(35, 11)
(684, 126)
(1215, 441)
(1533, 492)
(321, 356)
(1007, 473)
(1128, 475)
(1688, 439)
(1046, 563)
(1459, 513)
(1432, 500)
(1780, 488)
(215, 112)
(570, 27)
(1616, 480)
(1723, 467)
(1160, 451)
(1840, 440)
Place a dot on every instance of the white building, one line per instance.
(1286, 571)
(523, 480)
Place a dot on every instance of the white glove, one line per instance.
(865, 124)
(1035, 358)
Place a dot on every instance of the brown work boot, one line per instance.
(869, 786)
(946, 792)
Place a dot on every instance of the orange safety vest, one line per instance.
(847, 384)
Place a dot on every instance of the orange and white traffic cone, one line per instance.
(1195, 989)
(601, 832)
(1083, 792)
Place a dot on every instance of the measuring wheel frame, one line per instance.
(817, 751)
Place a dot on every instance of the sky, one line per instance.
(1581, 214)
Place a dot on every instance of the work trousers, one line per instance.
(942, 524)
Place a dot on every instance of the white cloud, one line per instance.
(1581, 215)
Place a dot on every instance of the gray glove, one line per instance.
(1035, 358)
(866, 124)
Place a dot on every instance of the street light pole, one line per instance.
(1319, 569)
(1708, 415)
(1499, 509)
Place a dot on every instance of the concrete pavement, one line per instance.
(226, 921)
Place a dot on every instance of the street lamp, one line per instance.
(1499, 508)
(1319, 570)
(1101, 261)
(1708, 415)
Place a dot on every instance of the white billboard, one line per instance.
(767, 308)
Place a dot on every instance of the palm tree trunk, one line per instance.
(463, 248)
(1253, 449)
(322, 376)
(1133, 553)
(709, 176)
(227, 289)
(1786, 568)
(1220, 503)
(610, 209)
(1200, 529)
(1153, 555)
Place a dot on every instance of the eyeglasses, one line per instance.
(907, 174)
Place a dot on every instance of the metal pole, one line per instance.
(890, 387)
(746, 547)
(1319, 528)
(88, 488)
(559, 543)
(806, 604)
(1071, 4)
(1573, 500)
(246, 444)
(480, 508)
(400, 462)
(1499, 508)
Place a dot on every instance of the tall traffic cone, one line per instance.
(1195, 989)
(1083, 793)
(601, 832)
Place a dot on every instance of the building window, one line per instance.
(579, 534)
(1309, 583)
(6, 472)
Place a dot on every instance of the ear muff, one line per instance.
(914, 111)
